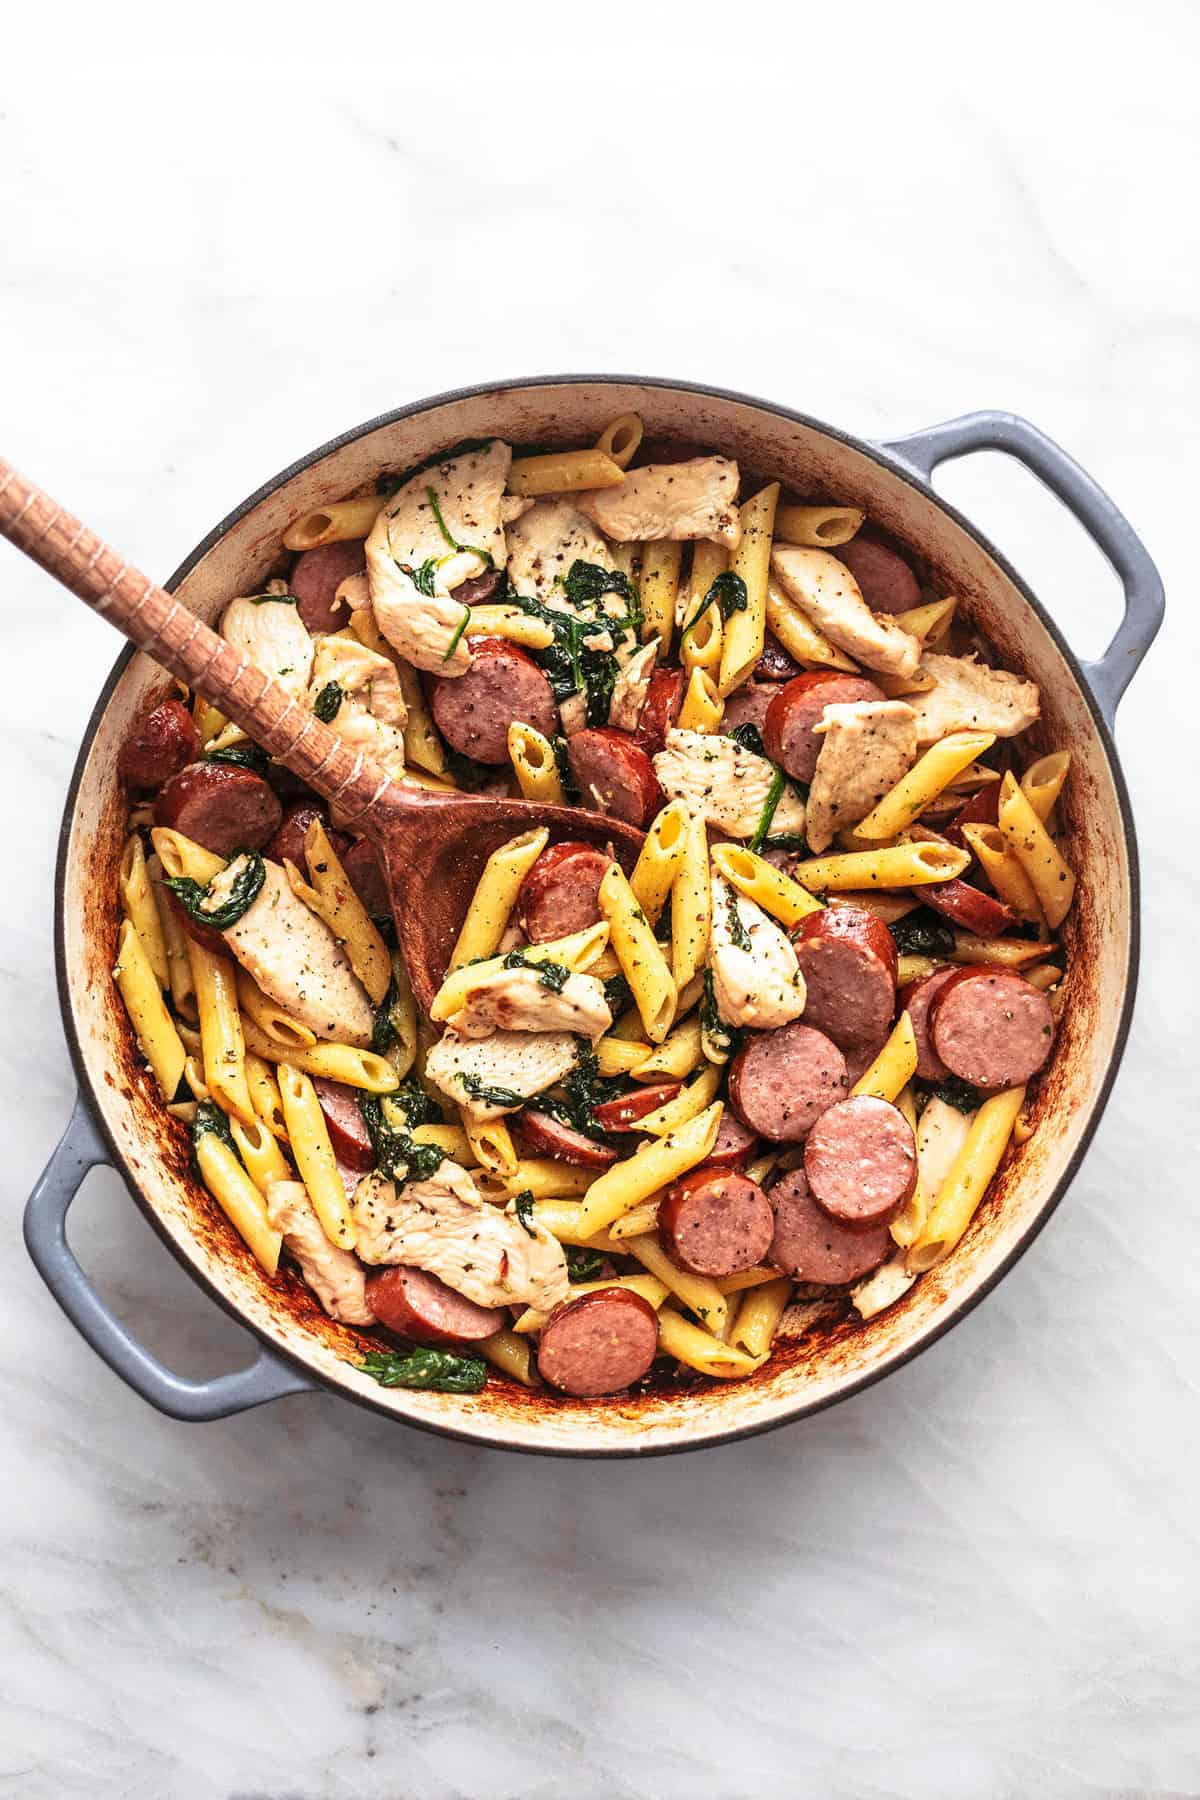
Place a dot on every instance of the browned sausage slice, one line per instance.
(968, 906)
(417, 1305)
(623, 1113)
(613, 774)
(916, 1000)
(861, 1161)
(548, 1136)
(561, 893)
(747, 705)
(715, 1221)
(366, 877)
(734, 1145)
(599, 1343)
(991, 1027)
(347, 1129)
(287, 844)
(220, 806)
(981, 809)
(789, 733)
(474, 711)
(811, 1246)
(664, 697)
(885, 580)
(780, 1082)
(848, 959)
(315, 578)
(479, 588)
(165, 742)
(775, 664)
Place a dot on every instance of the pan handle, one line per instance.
(266, 1378)
(1108, 528)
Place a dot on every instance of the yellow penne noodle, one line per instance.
(450, 1138)
(708, 561)
(1004, 870)
(927, 622)
(180, 856)
(881, 1289)
(179, 969)
(402, 1016)
(747, 1278)
(895, 1065)
(817, 527)
(698, 1293)
(308, 1136)
(915, 968)
(885, 906)
(628, 1028)
(909, 1222)
(504, 621)
(495, 896)
(422, 746)
(687, 1103)
(619, 1056)
(652, 1291)
(800, 637)
(512, 1355)
(336, 1062)
(1052, 879)
(742, 642)
(239, 1199)
(699, 1350)
(703, 707)
(676, 1056)
(579, 952)
(766, 885)
(221, 1031)
(158, 1040)
(563, 1220)
(1047, 976)
(137, 899)
(284, 1032)
(964, 1187)
(761, 1311)
(334, 900)
(639, 953)
(545, 1179)
(761, 1167)
(264, 1095)
(534, 765)
(563, 472)
(491, 1144)
(1043, 781)
(731, 1318)
(336, 523)
(659, 861)
(637, 1223)
(626, 1184)
(1010, 953)
(691, 908)
(193, 1072)
(923, 783)
(659, 588)
(620, 438)
(627, 559)
(895, 866)
(261, 1156)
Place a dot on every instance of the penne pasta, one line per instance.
(676, 1056)
(699, 1350)
(882, 1288)
(894, 866)
(562, 1219)
(1046, 976)
(264, 1095)
(636, 1223)
(450, 1138)
(332, 897)
(817, 527)
(915, 968)
(512, 1355)
(927, 623)
(659, 589)
(1004, 870)
(158, 1040)
(687, 1103)
(339, 522)
(535, 765)
(703, 707)
(800, 637)
(178, 855)
(137, 901)
(284, 1032)
(422, 746)
(495, 895)
(1044, 780)
(621, 438)
(580, 952)
(923, 783)
(336, 1062)
(491, 1144)
(766, 885)
(179, 969)
(619, 1056)
(505, 621)
(758, 1320)
(544, 1178)
(401, 1015)
(221, 1032)
(639, 953)
(741, 1279)
(563, 472)
(698, 1293)
(625, 1184)
(650, 1289)
(745, 631)
(1039, 856)
(895, 1065)
(886, 906)
(660, 859)
(972, 1170)
(691, 909)
(239, 1199)
(909, 1222)
(1011, 953)
(308, 1136)
(261, 1156)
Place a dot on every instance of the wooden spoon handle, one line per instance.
(177, 639)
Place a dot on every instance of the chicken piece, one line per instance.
(517, 1064)
(827, 593)
(941, 1133)
(297, 961)
(756, 978)
(443, 1225)
(542, 545)
(372, 712)
(632, 684)
(335, 1276)
(407, 536)
(519, 1000)
(727, 785)
(968, 696)
(865, 749)
(696, 499)
(272, 636)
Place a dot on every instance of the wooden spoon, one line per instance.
(432, 846)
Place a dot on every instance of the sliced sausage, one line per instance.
(916, 999)
(287, 844)
(796, 709)
(747, 705)
(548, 1136)
(715, 1221)
(885, 580)
(478, 589)
(780, 1082)
(664, 698)
(220, 806)
(315, 578)
(346, 1126)
(561, 893)
(417, 1305)
(623, 1113)
(813, 1247)
(599, 1343)
(735, 1145)
(991, 1027)
(474, 711)
(861, 1161)
(165, 742)
(613, 774)
(848, 959)
(967, 906)
(983, 808)
(775, 664)
(365, 874)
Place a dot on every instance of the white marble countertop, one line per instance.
(978, 1579)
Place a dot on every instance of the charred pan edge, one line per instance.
(896, 467)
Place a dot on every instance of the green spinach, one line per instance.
(328, 702)
(728, 593)
(244, 890)
(444, 1371)
(241, 756)
(923, 933)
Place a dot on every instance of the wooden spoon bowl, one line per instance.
(432, 847)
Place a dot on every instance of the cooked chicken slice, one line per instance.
(518, 1064)
(334, 1275)
(295, 958)
(542, 545)
(442, 1225)
(520, 1000)
(756, 978)
(865, 748)
(632, 683)
(274, 638)
(407, 536)
(696, 499)
(827, 593)
(968, 696)
(371, 712)
(514, 506)
(727, 785)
